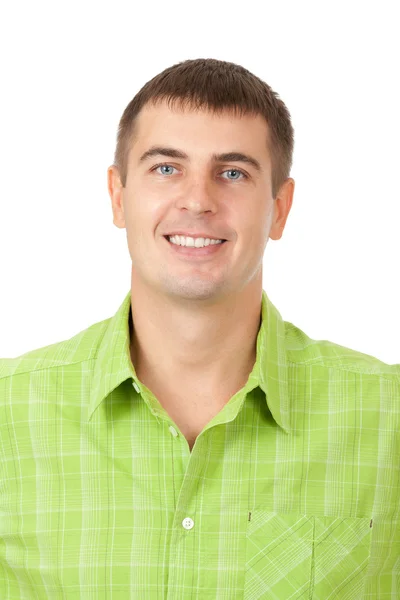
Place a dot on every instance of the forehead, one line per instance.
(193, 129)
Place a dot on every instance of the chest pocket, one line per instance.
(306, 556)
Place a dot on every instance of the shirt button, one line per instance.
(173, 430)
(188, 523)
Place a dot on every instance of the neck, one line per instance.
(213, 348)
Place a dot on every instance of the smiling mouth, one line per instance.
(184, 245)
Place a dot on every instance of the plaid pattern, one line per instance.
(291, 491)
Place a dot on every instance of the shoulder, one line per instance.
(81, 347)
(301, 349)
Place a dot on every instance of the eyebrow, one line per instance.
(224, 157)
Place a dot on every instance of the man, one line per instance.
(195, 445)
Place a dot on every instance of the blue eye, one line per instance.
(170, 166)
(235, 171)
(226, 171)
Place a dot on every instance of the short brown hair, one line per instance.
(217, 86)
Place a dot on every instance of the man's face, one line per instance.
(228, 199)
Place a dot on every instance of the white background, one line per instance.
(69, 69)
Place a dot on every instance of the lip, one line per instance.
(189, 252)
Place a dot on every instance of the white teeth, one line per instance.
(181, 240)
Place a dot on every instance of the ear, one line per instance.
(283, 204)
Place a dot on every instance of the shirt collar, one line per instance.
(113, 364)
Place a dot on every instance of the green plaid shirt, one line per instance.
(291, 491)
